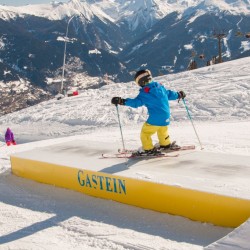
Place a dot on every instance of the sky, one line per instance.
(38, 216)
(25, 2)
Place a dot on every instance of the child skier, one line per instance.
(155, 97)
(9, 137)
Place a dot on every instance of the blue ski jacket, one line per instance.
(155, 97)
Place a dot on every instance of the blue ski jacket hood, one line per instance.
(155, 97)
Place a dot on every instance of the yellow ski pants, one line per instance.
(148, 130)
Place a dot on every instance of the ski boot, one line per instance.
(151, 152)
(170, 147)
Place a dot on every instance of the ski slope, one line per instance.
(36, 216)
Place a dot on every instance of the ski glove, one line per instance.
(118, 100)
(181, 95)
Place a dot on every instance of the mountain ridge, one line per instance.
(109, 40)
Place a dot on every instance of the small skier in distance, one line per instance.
(9, 137)
(156, 98)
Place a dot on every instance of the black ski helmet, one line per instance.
(142, 77)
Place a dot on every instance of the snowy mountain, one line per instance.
(111, 39)
(54, 11)
(138, 15)
(173, 42)
(233, 7)
(38, 216)
(32, 47)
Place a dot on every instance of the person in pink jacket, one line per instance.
(9, 137)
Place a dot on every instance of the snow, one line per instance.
(188, 46)
(37, 216)
(245, 45)
(193, 18)
(94, 51)
(55, 11)
(234, 239)
(227, 53)
(232, 7)
(2, 44)
(133, 12)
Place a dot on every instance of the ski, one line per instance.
(133, 156)
(181, 148)
(131, 153)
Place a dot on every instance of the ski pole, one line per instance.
(190, 118)
(123, 144)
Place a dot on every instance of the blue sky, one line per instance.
(25, 2)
